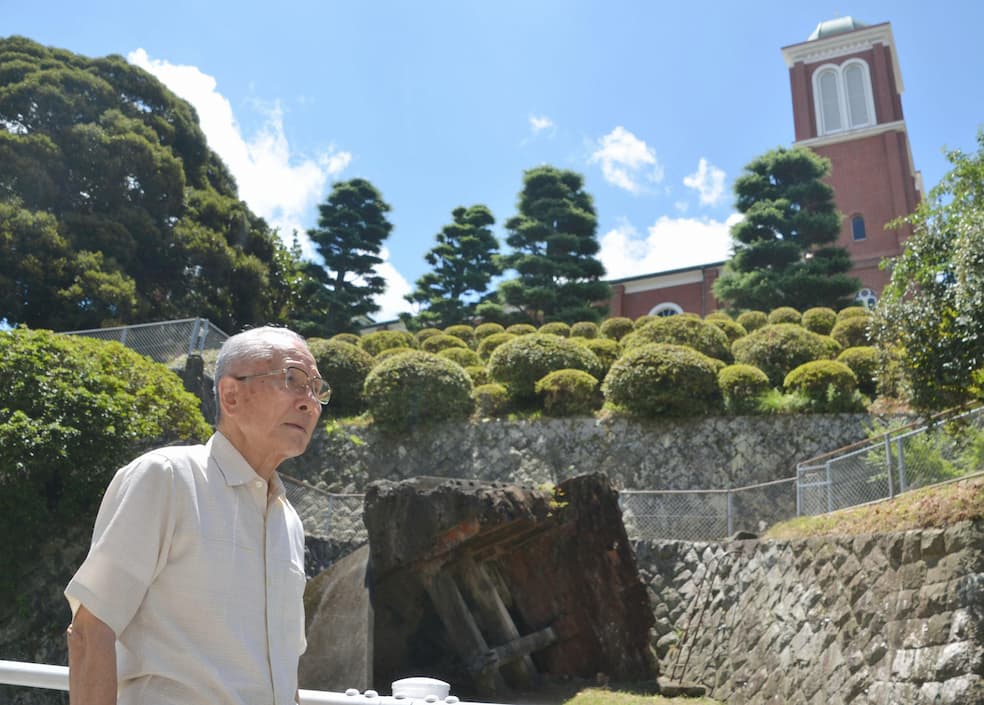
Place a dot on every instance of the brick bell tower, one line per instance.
(847, 107)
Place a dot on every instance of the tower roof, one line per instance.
(840, 25)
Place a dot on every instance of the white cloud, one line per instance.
(708, 180)
(539, 123)
(670, 243)
(279, 186)
(626, 160)
(391, 302)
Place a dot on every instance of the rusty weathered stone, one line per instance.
(491, 585)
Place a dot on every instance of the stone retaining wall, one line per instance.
(887, 620)
(697, 453)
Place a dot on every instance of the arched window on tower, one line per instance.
(665, 309)
(842, 96)
(857, 228)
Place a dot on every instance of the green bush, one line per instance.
(350, 338)
(417, 387)
(345, 366)
(425, 333)
(462, 332)
(569, 393)
(479, 374)
(752, 320)
(616, 328)
(556, 328)
(374, 343)
(436, 343)
(521, 329)
(520, 363)
(463, 356)
(659, 379)
(703, 337)
(785, 314)
(388, 353)
(852, 312)
(491, 400)
(732, 330)
(830, 386)
(718, 316)
(584, 329)
(643, 320)
(605, 349)
(493, 341)
(851, 332)
(741, 386)
(777, 349)
(863, 361)
(819, 320)
(72, 411)
(484, 330)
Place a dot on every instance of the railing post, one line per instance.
(123, 335)
(731, 515)
(830, 488)
(903, 485)
(888, 464)
(193, 338)
(799, 491)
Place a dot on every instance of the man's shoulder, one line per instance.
(176, 458)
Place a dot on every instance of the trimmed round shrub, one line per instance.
(752, 320)
(350, 338)
(493, 341)
(819, 319)
(663, 380)
(436, 343)
(479, 374)
(556, 328)
(484, 330)
(584, 329)
(521, 329)
(605, 349)
(731, 329)
(569, 393)
(785, 314)
(463, 356)
(851, 332)
(345, 367)
(852, 311)
(643, 320)
(717, 316)
(463, 332)
(72, 411)
(864, 362)
(741, 386)
(616, 328)
(425, 333)
(830, 386)
(491, 400)
(703, 337)
(778, 349)
(375, 343)
(388, 353)
(521, 362)
(417, 387)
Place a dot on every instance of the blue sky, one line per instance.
(442, 103)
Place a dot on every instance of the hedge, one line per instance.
(777, 349)
(659, 379)
(521, 362)
(703, 337)
(417, 387)
(345, 367)
(569, 393)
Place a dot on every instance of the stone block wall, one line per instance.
(886, 620)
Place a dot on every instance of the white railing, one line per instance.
(407, 691)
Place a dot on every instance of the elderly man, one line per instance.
(192, 589)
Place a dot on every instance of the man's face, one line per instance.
(276, 422)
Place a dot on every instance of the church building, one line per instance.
(847, 106)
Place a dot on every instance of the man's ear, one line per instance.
(229, 397)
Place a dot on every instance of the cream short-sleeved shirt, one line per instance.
(200, 573)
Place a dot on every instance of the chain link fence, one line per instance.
(326, 514)
(170, 342)
(902, 459)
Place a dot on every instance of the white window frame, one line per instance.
(659, 310)
(842, 103)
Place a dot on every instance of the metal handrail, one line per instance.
(39, 675)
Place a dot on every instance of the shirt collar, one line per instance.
(233, 466)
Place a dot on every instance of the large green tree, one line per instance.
(351, 229)
(930, 319)
(112, 207)
(554, 244)
(783, 248)
(464, 261)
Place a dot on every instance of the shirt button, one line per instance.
(259, 483)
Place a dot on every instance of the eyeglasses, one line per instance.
(298, 381)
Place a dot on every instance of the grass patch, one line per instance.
(603, 696)
(930, 507)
